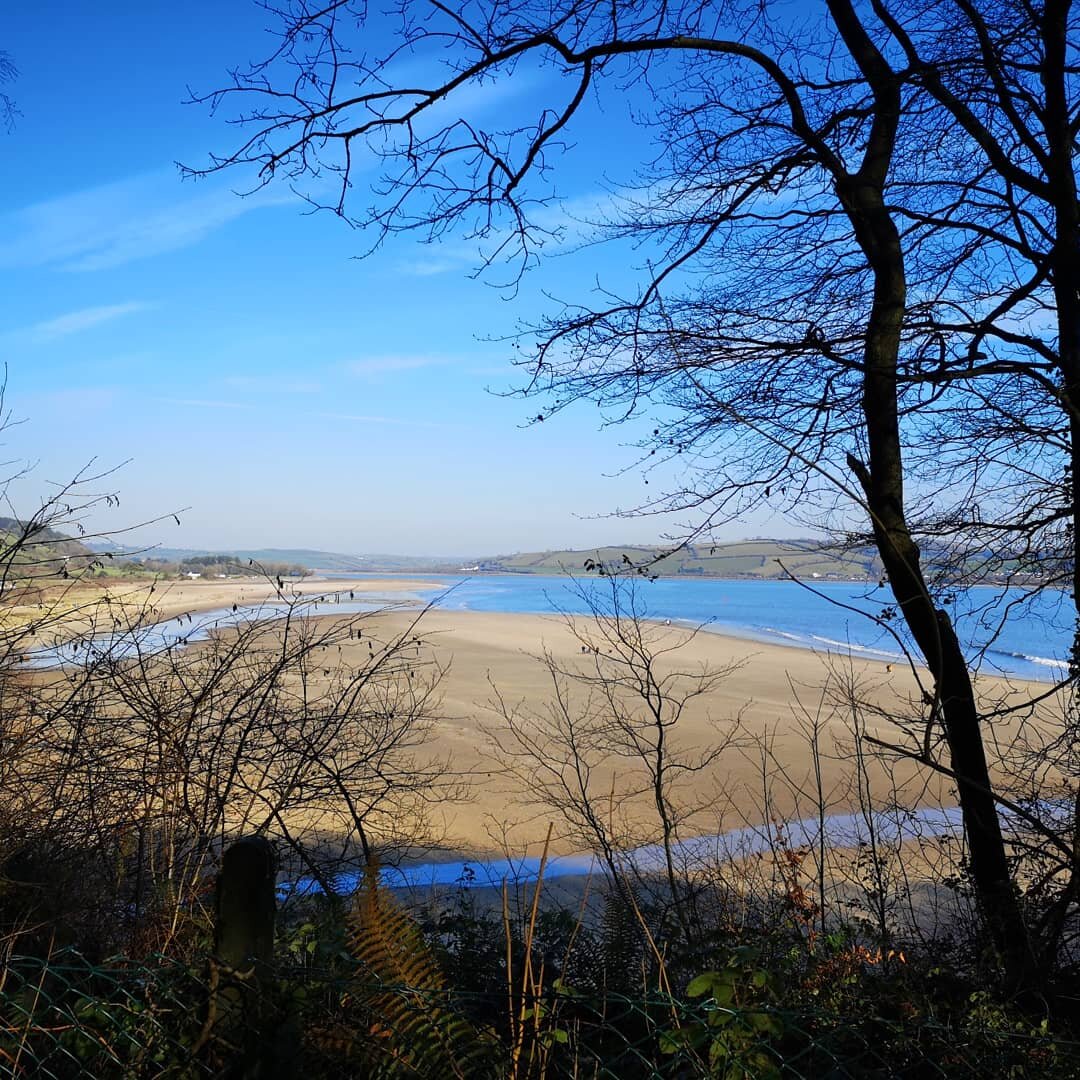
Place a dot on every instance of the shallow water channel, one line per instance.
(840, 831)
(188, 629)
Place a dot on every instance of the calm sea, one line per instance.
(1002, 634)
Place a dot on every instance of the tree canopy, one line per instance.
(858, 296)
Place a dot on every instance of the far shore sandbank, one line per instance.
(763, 712)
(168, 598)
(764, 708)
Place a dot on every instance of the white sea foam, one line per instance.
(869, 650)
(1045, 661)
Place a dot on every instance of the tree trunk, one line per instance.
(882, 480)
(862, 195)
(1064, 257)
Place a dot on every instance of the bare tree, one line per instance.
(849, 224)
(49, 590)
(134, 747)
(606, 752)
(147, 761)
(9, 111)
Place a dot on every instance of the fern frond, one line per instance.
(382, 938)
(621, 945)
(411, 1029)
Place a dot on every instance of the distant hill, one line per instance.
(311, 559)
(45, 551)
(756, 559)
(743, 559)
(305, 557)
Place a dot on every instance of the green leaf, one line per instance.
(702, 984)
(764, 1067)
(764, 1023)
(693, 1035)
(671, 1042)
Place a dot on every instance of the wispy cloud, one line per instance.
(75, 322)
(474, 98)
(438, 264)
(71, 322)
(370, 366)
(116, 223)
(396, 421)
(562, 225)
(583, 217)
(273, 384)
(500, 371)
(358, 418)
(79, 399)
(203, 403)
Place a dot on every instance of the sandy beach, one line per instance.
(745, 748)
(80, 604)
(172, 598)
(765, 708)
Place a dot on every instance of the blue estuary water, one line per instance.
(837, 830)
(1003, 635)
(181, 630)
(1030, 640)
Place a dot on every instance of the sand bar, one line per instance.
(167, 599)
(172, 598)
(765, 707)
(772, 697)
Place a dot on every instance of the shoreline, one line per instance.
(763, 711)
(179, 598)
(170, 599)
(176, 599)
(770, 698)
(745, 578)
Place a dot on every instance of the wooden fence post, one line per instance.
(242, 1008)
(246, 905)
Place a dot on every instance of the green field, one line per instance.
(743, 559)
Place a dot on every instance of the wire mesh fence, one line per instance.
(64, 1017)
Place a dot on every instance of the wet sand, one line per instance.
(172, 598)
(765, 709)
(148, 600)
(751, 734)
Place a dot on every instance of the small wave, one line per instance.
(868, 649)
(1044, 661)
(784, 634)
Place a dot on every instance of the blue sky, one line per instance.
(250, 371)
